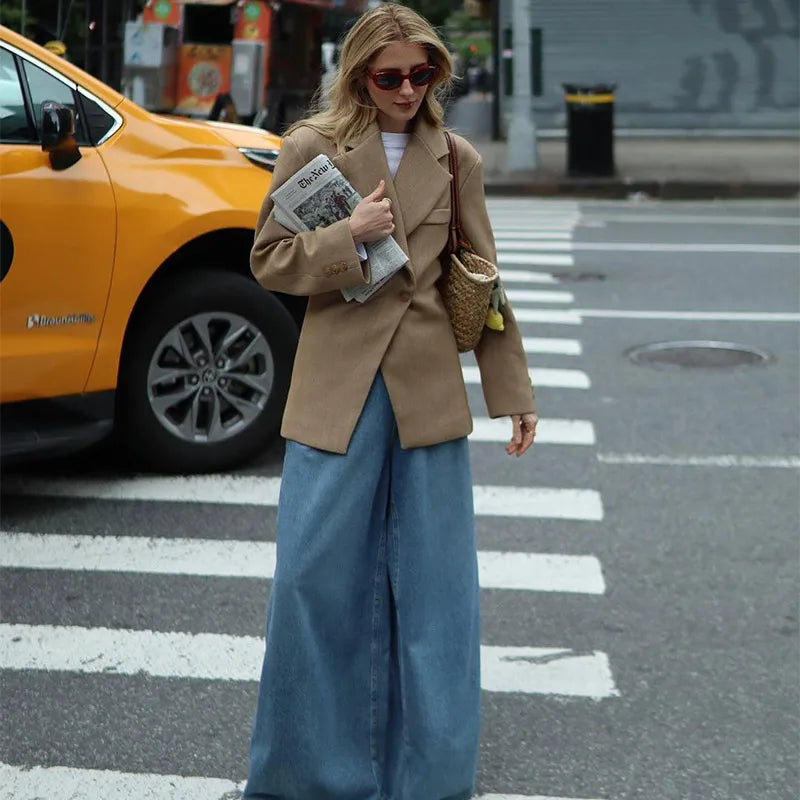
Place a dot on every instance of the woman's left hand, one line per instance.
(523, 431)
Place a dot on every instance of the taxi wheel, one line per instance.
(205, 373)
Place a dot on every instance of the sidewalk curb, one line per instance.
(617, 188)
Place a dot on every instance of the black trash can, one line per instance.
(590, 129)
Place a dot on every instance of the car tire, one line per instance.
(190, 423)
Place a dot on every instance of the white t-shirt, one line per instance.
(394, 144)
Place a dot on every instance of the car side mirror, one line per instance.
(58, 135)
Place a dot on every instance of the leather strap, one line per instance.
(456, 238)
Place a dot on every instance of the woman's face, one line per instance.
(397, 107)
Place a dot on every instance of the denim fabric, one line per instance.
(370, 688)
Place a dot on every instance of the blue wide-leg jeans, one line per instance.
(370, 688)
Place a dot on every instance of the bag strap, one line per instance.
(456, 235)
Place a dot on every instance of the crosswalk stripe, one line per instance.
(535, 259)
(523, 218)
(529, 214)
(526, 276)
(224, 489)
(564, 347)
(67, 783)
(535, 572)
(540, 572)
(519, 501)
(500, 228)
(546, 315)
(546, 670)
(509, 244)
(541, 376)
(491, 501)
(535, 296)
(501, 234)
(527, 797)
(506, 219)
(222, 657)
(687, 247)
(64, 783)
(548, 431)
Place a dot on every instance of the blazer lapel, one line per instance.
(364, 165)
(421, 180)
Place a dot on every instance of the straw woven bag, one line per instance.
(468, 281)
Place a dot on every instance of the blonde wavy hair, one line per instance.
(348, 110)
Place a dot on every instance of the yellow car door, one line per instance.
(57, 234)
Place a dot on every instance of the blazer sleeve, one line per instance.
(306, 263)
(503, 366)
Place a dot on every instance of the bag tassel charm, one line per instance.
(494, 319)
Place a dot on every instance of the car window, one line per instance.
(98, 121)
(14, 125)
(43, 86)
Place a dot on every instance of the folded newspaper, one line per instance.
(319, 195)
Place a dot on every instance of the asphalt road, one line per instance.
(693, 634)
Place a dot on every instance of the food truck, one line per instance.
(253, 61)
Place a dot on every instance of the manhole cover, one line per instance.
(697, 355)
(576, 277)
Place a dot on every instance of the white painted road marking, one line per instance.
(775, 462)
(540, 572)
(66, 783)
(535, 259)
(216, 656)
(541, 376)
(720, 316)
(510, 227)
(225, 489)
(548, 431)
(507, 245)
(519, 501)
(683, 247)
(534, 296)
(546, 670)
(526, 797)
(689, 219)
(493, 501)
(535, 572)
(575, 316)
(525, 234)
(565, 347)
(548, 316)
(526, 276)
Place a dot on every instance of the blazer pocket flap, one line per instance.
(437, 216)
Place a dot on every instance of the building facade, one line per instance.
(721, 65)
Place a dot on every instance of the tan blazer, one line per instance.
(403, 329)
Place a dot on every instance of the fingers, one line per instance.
(516, 434)
(527, 441)
(377, 192)
(523, 433)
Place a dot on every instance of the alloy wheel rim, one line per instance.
(210, 377)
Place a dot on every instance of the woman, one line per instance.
(370, 688)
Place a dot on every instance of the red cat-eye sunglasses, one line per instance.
(390, 80)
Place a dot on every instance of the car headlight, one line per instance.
(261, 158)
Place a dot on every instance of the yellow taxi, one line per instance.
(126, 300)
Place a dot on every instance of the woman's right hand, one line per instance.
(372, 218)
